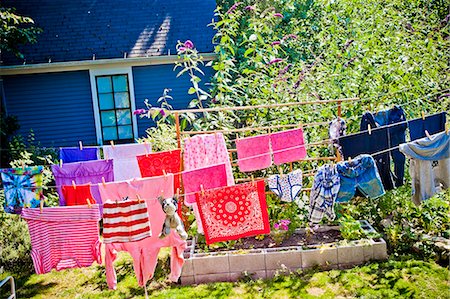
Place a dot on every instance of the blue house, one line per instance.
(95, 62)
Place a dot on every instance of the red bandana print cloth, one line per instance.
(234, 212)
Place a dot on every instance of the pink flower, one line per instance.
(181, 49)
(293, 36)
(188, 44)
(139, 111)
(162, 112)
(276, 226)
(276, 43)
(249, 7)
(233, 8)
(276, 60)
(278, 15)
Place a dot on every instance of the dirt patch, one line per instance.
(296, 239)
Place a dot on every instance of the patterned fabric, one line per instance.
(78, 195)
(324, 193)
(63, 237)
(124, 156)
(125, 221)
(288, 186)
(234, 212)
(205, 150)
(253, 153)
(23, 188)
(288, 146)
(209, 177)
(74, 154)
(337, 129)
(154, 164)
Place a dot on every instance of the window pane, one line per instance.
(104, 84)
(120, 83)
(106, 101)
(121, 99)
(123, 117)
(108, 118)
(109, 133)
(125, 132)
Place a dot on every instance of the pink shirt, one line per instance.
(144, 252)
(63, 237)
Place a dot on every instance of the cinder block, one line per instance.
(368, 252)
(234, 276)
(379, 250)
(211, 264)
(187, 268)
(207, 278)
(353, 254)
(290, 259)
(249, 262)
(325, 257)
(187, 280)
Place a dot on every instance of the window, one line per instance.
(114, 106)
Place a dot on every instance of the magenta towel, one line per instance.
(210, 177)
(288, 146)
(253, 153)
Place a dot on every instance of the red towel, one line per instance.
(78, 195)
(234, 212)
(288, 146)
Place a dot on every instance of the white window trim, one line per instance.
(111, 71)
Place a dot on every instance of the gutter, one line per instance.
(52, 67)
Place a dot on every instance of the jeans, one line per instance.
(359, 174)
(433, 124)
(365, 143)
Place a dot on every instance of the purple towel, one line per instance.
(253, 153)
(74, 154)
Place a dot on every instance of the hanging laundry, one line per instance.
(433, 124)
(78, 195)
(287, 186)
(205, 150)
(88, 172)
(396, 135)
(125, 221)
(324, 193)
(288, 146)
(253, 153)
(337, 129)
(23, 188)
(207, 177)
(124, 156)
(234, 212)
(155, 164)
(144, 252)
(365, 143)
(75, 154)
(429, 165)
(63, 237)
(361, 174)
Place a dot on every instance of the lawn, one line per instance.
(399, 278)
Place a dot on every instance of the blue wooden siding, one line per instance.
(149, 83)
(57, 106)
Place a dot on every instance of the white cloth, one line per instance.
(124, 159)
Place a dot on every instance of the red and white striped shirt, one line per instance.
(125, 221)
(63, 237)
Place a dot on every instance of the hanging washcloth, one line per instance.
(75, 154)
(288, 186)
(23, 188)
(324, 193)
(124, 157)
(288, 146)
(253, 153)
(78, 195)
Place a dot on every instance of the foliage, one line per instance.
(8, 126)
(163, 137)
(350, 228)
(16, 30)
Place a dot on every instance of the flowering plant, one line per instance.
(280, 230)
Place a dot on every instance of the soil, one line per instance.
(296, 239)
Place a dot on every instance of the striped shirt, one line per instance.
(125, 221)
(63, 237)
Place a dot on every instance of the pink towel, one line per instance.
(253, 153)
(288, 146)
(210, 177)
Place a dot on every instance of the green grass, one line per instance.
(392, 279)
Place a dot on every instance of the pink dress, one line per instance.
(144, 252)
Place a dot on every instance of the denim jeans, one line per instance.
(365, 143)
(359, 174)
(433, 124)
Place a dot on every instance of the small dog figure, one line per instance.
(169, 206)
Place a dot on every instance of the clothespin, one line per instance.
(428, 134)
(88, 203)
(74, 185)
(164, 173)
(253, 179)
(369, 127)
(41, 205)
(423, 115)
(446, 128)
(81, 145)
(138, 198)
(23, 165)
(280, 169)
(60, 162)
(203, 190)
(146, 150)
(237, 136)
(112, 143)
(349, 158)
(178, 192)
(103, 181)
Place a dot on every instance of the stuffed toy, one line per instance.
(169, 206)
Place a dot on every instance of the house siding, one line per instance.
(57, 106)
(150, 82)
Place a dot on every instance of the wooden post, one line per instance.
(177, 127)
(339, 109)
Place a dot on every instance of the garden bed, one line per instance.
(300, 252)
